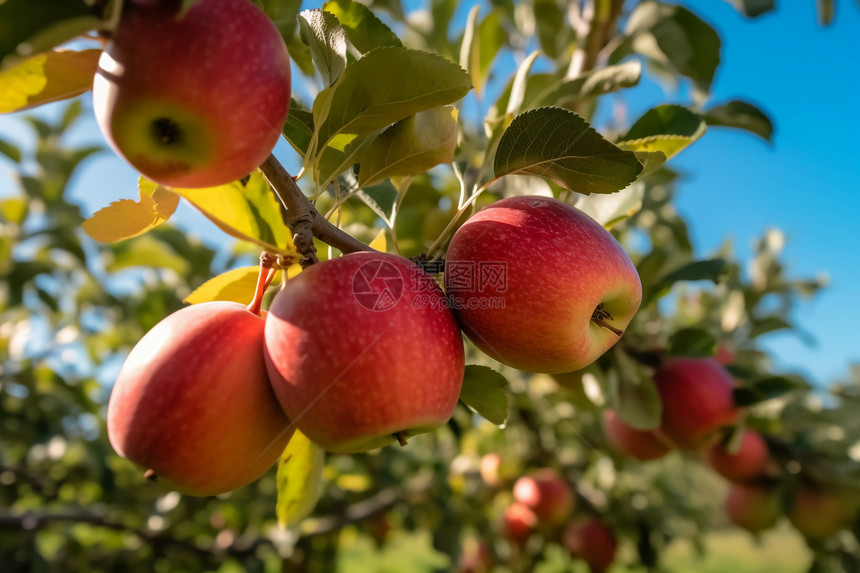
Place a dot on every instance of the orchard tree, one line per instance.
(470, 331)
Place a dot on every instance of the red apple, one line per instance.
(724, 355)
(363, 349)
(747, 463)
(197, 100)
(519, 523)
(193, 404)
(592, 542)
(540, 286)
(818, 514)
(547, 494)
(754, 507)
(643, 445)
(697, 401)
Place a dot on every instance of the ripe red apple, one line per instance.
(540, 286)
(363, 349)
(547, 494)
(643, 445)
(747, 463)
(592, 542)
(193, 404)
(697, 401)
(519, 523)
(817, 513)
(197, 100)
(754, 507)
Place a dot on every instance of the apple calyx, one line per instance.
(166, 131)
(600, 316)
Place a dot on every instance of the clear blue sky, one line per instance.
(808, 79)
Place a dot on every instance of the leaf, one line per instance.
(11, 151)
(325, 37)
(481, 43)
(146, 251)
(485, 391)
(552, 30)
(519, 85)
(609, 210)
(411, 146)
(741, 115)
(237, 285)
(380, 243)
(47, 77)
(677, 39)
(710, 270)
(299, 480)
(666, 129)
(363, 29)
(560, 145)
(753, 8)
(299, 128)
(693, 342)
(826, 11)
(125, 218)
(599, 82)
(768, 324)
(767, 389)
(634, 394)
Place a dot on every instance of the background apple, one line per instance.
(593, 542)
(547, 494)
(745, 464)
(697, 401)
(818, 514)
(193, 404)
(643, 445)
(196, 101)
(532, 276)
(519, 523)
(362, 348)
(751, 506)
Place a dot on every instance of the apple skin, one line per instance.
(547, 494)
(697, 401)
(196, 101)
(519, 523)
(557, 265)
(192, 401)
(748, 463)
(818, 514)
(592, 542)
(352, 377)
(752, 506)
(642, 445)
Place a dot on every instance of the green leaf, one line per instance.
(666, 129)
(146, 251)
(299, 128)
(677, 39)
(609, 210)
(767, 389)
(284, 14)
(14, 210)
(325, 37)
(126, 218)
(552, 31)
(598, 82)
(826, 12)
(47, 77)
(741, 115)
(363, 29)
(519, 86)
(485, 391)
(694, 342)
(768, 324)
(753, 8)
(560, 145)
(710, 270)
(11, 151)
(633, 393)
(481, 43)
(411, 146)
(299, 480)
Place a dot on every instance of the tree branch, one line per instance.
(302, 218)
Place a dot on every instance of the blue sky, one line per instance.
(808, 79)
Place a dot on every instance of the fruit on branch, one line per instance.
(592, 542)
(817, 513)
(519, 523)
(697, 401)
(362, 350)
(745, 464)
(197, 100)
(539, 285)
(193, 404)
(547, 494)
(643, 445)
(753, 506)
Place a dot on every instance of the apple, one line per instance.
(818, 514)
(751, 506)
(643, 445)
(747, 463)
(519, 523)
(540, 286)
(547, 494)
(592, 542)
(197, 100)
(192, 402)
(475, 557)
(362, 350)
(697, 401)
(489, 469)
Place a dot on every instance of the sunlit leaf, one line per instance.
(146, 251)
(666, 129)
(598, 82)
(481, 43)
(326, 39)
(560, 145)
(486, 392)
(610, 209)
(363, 29)
(299, 480)
(237, 285)
(753, 8)
(47, 77)
(380, 243)
(126, 218)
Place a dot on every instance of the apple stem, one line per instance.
(600, 316)
(400, 437)
(150, 475)
(264, 279)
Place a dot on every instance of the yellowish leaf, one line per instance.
(299, 480)
(125, 218)
(237, 285)
(47, 77)
(380, 243)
